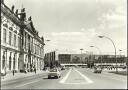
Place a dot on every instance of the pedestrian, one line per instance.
(35, 69)
(13, 72)
(3, 73)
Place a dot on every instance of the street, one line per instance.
(74, 78)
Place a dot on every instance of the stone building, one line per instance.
(21, 47)
(10, 36)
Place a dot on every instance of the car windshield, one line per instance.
(53, 70)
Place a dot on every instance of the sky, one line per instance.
(74, 24)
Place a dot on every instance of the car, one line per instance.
(55, 72)
(97, 70)
(62, 68)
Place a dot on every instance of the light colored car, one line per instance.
(55, 72)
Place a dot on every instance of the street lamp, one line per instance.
(120, 55)
(99, 52)
(49, 63)
(120, 52)
(114, 48)
(81, 53)
(48, 40)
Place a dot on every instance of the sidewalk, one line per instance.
(120, 72)
(20, 75)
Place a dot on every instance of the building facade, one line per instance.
(21, 47)
(10, 36)
(50, 59)
(91, 59)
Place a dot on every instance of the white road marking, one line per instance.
(85, 77)
(88, 81)
(65, 78)
(27, 83)
(77, 83)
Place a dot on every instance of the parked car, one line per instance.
(97, 70)
(55, 72)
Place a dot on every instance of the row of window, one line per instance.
(30, 44)
(10, 38)
(10, 61)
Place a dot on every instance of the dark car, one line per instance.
(97, 70)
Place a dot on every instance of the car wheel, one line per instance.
(49, 77)
(57, 76)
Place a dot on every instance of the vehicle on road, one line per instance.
(97, 70)
(55, 72)
(62, 68)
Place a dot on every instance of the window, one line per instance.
(10, 36)
(3, 60)
(25, 40)
(14, 40)
(14, 61)
(10, 63)
(19, 42)
(4, 35)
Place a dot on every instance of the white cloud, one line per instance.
(72, 41)
(66, 34)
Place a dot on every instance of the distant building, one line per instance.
(50, 59)
(64, 58)
(89, 59)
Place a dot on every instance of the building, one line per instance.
(50, 59)
(21, 47)
(32, 46)
(64, 58)
(110, 59)
(10, 36)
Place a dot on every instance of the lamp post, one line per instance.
(99, 53)
(47, 40)
(114, 48)
(81, 53)
(120, 52)
(48, 55)
(120, 55)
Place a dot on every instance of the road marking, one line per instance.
(65, 78)
(85, 77)
(27, 83)
(77, 83)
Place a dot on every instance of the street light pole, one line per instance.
(81, 53)
(48, 55)
(120, 56)
(99, 53)
(120, 52)
(114, 48)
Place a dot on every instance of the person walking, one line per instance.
(13, 72)
(3, 73)
(35, 69)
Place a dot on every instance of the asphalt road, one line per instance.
(76, 78)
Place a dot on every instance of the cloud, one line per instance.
(72, 41)
(66, 34)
